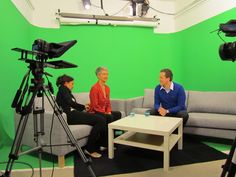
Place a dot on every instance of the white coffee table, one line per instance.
(152, 132)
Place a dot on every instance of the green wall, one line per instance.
(14, 32)
(133, 55)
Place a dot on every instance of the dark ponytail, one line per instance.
(62, 79)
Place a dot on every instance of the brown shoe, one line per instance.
(102, 148)
(95, 155)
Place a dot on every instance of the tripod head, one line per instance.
(42, 51)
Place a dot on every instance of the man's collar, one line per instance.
(171, 86)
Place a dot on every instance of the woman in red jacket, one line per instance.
(100, 97)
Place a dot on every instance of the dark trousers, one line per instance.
(115, 115)
(181, 114)
(98, 123)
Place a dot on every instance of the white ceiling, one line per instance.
(42, 13)
(116, 4)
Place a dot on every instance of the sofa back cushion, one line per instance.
(82, 97)
(212, 102)
(186, 101)
(148, 101)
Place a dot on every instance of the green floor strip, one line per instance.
(218, 146)
(32, 159)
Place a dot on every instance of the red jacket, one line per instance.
(98, 102)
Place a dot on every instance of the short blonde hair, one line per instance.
(100, 69)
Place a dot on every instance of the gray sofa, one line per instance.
(210, 113)
(80, 132)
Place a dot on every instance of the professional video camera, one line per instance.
(227, 51)
(26, 95)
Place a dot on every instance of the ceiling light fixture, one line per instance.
(87, 4)
(79, 19)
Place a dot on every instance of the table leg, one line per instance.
(180, 133)
(110, 143)
(166, 160)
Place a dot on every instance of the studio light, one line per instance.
(87, 4)
(130, 9)
(138, 7)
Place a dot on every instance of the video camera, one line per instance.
(227, 51)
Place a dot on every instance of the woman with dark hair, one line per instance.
(76, 115)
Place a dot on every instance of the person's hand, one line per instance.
(108, 113)
(87, 106)
(162, 111)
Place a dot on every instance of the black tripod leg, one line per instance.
(69, 133)
(74, 142)
(226, 166)
(232, 168)
(16, 144)
(19, 91)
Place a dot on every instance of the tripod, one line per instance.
(230, 164)
(24, 103)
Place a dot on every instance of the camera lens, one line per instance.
(227, 51)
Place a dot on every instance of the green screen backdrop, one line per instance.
(133, 55)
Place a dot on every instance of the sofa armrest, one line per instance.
(132, 103)
(119, 105)
(58, 134)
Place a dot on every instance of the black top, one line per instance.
(67, 101)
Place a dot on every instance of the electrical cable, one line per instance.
(121, 9)
(162, 12)
(24, 163)
(218, 33)
(99, 7)
(193, 4)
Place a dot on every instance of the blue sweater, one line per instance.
(174, 101)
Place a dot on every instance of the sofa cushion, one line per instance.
(139, 110)
(212, 102)
(82, 98)
(119, 105)
(186, 101)
(123, 114)
(148, 101)
(80, 131)
(211, 120)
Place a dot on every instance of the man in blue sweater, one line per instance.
(169, 97)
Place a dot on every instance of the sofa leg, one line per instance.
(61, 161)
(21, 149)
